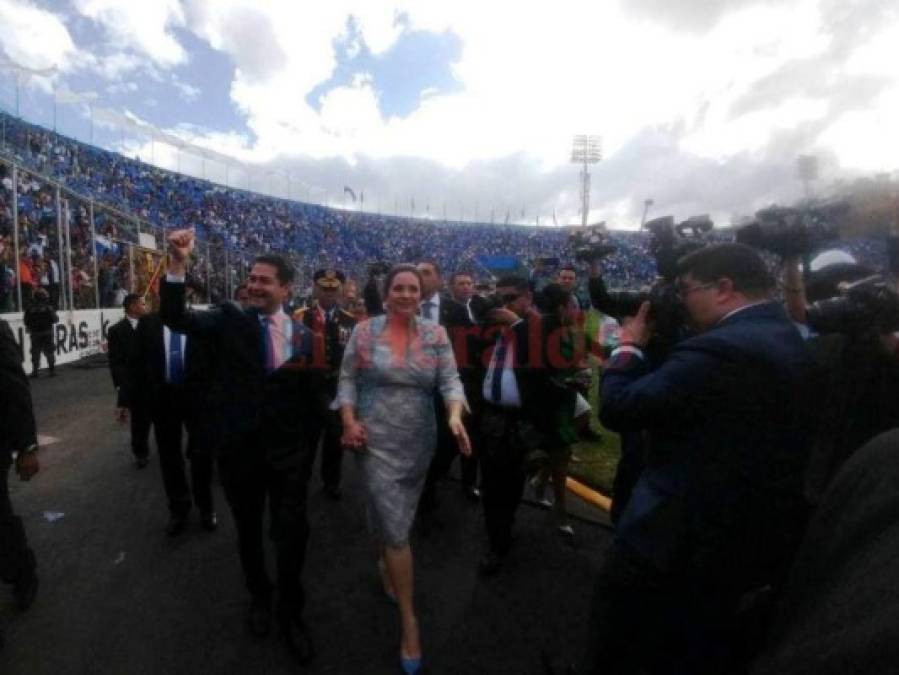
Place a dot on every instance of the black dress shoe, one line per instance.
(141, 462)
(259, 618)
(297, 639)
(209, 521)
(332, 492)
(490, 564)
(176, 525)
(25, 590)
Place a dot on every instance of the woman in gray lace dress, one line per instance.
(391, 368)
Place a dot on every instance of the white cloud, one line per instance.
(144, 27)
(725, 93)
(36, 38)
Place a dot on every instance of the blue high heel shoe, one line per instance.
(411, 666)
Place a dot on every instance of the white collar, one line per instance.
(740, 309)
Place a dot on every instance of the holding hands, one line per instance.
(353, 436)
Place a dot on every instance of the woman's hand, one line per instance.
(461, 436)
(353, 436)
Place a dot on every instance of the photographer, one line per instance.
(850, 316)
(717, 511)
(667, 244)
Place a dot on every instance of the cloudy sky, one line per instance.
(471, 105)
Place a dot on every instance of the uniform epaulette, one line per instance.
(298, 313)
(347, 314)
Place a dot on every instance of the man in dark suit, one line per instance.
(120, 339)
(17, 434)
(718, 510)
(454, 317)
(521, 400)
(169, 376)
(261, 394)
(331, 327)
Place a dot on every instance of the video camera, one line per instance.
(668, 244)
(590, 243)
(788, 231)
(866, 305)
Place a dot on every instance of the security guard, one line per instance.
(40, 318)
(331, 327)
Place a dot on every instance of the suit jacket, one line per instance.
(542, 395)
(837, 612)
(729, 436)
(244, 399)
(452, 314)
(17, 428)
(147, 365)
(120, 339)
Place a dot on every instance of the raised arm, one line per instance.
(172, 309)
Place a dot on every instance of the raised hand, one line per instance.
(181, 243)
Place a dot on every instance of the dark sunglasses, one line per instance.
(509, 297)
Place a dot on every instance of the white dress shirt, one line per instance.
(510, 395)
(435, 307)
(166, 344)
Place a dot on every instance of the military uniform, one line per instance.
(40, 318)
(331, 330)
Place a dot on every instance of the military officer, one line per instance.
(331, 327)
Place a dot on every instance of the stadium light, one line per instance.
(586, 150)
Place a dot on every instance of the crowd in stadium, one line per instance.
(244, 222)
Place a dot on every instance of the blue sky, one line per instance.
(469, 103)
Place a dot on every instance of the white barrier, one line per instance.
(78, 334)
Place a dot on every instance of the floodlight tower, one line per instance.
(586, 150)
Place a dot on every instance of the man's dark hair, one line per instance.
(456, 275)
(737, 262)
(433, 263)
(518, 283)
(568, 268)
(283, 270)
(129, 300)
(552, 297)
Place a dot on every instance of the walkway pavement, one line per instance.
(119, 597)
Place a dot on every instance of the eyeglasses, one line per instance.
(509, 297)
(684, 291)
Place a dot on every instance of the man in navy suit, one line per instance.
(717, 512)
(168, 377)
(261, 393)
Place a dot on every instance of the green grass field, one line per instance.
(598, 461)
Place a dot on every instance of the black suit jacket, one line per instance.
(245, 400)
(147, 363)
(17, 429)
(120, 339)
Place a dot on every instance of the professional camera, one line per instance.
(378, 269)
(788, 231)
(866, 305)
(669, 242)
(590, 243)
